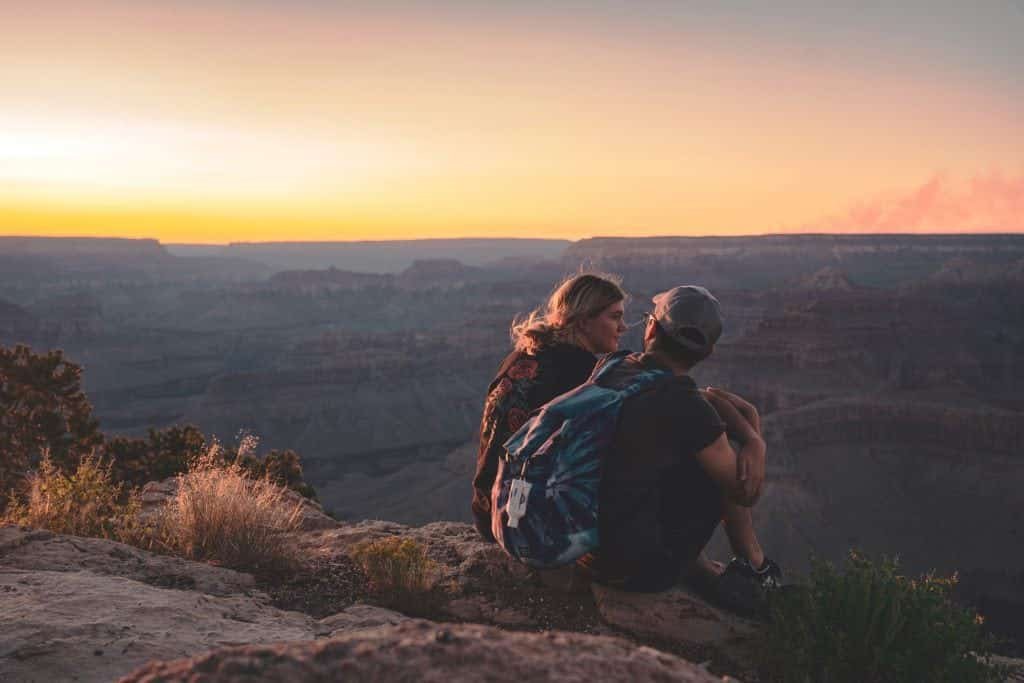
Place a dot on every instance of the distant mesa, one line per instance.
(101, 260)
(327, 280)
(83, 246)
(422, 274)
(437, 272)
(827, 279)
(382, 256)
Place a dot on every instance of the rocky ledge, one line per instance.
(91, 610)
(94, 610)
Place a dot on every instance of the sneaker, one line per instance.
(744, 590)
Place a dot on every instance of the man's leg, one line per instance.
(739, 527)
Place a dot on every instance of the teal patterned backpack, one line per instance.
(545, 497)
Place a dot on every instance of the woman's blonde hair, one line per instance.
(576, 298)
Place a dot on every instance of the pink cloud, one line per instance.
(990, 202)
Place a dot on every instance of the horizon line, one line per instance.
(518, 238)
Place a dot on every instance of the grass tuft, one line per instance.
(398, 571)
(220, 515)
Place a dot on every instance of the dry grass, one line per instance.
(85, 502)
(220, 515)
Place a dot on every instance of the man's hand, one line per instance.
(722, 463)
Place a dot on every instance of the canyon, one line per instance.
(887, 369)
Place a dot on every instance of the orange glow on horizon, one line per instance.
(216, 123)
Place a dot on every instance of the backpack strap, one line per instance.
(606, 364)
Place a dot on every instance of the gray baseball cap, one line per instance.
(690, 316)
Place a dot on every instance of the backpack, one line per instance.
(544, 509)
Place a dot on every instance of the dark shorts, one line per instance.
(687, 525)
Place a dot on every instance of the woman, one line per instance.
(555, 351)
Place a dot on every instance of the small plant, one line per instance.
(397, 569)
(870, 623)
(220, 514)
(85, 502)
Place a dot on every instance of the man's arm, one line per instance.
(745, 408)
(740, 476)
(742, 424)
(719, 461)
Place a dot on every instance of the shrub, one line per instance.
(397, 569)
(84, 503)
(870, 623)
(220, 514)
(162, 454)
(284, 468)
(42, 409)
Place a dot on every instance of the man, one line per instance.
(672, 476)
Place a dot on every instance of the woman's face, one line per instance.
(601, 333)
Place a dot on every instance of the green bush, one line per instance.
(870, 623)
(398, 570)
(284, 468)
(162, 454)
(42, 410)
(86, 502)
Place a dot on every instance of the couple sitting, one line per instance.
(667, 474)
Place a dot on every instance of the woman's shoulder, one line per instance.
(567, 360)
(563, 351)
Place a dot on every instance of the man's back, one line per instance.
(658, 507)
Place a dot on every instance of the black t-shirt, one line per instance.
(524, 382)
(658, 507)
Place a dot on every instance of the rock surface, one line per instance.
(91, 610)
(477, 582)
(96, 608)
(425, 651)
(38, 550)
(680, 620)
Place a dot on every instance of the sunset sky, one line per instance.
(250, 120)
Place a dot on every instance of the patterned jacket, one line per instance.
(524, 382)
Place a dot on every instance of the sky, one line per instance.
(260, 120)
